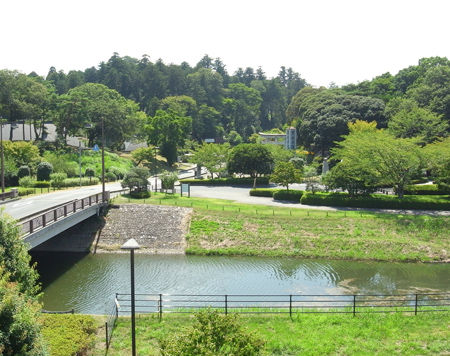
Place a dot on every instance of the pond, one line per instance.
(89, 282)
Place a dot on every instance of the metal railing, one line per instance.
(30, 224)
(286, 304)
(111, 322)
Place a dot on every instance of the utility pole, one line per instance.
(103, 160)
(2, 156)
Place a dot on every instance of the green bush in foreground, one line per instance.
(68, 334)
(25, 191)
(289, 195)
(213, 334)
(263, 192)
(378, 201)
(429, 189)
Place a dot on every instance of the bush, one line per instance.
(44, 169)
(27, 182)
(213, 334)
(290, 195)
(42, 184)
(118, 172)
(25, 191)
(110, 177)
(246, 181)
(74, 182)
(168, 179)
(68, 334)
(429, 189)
(263, 192)
(57, 179)
(378, 201)
(140, 195)
(89, 172)
(23, 171)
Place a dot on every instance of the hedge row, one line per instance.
(227, 181)
(429, 189)
(25, 191)
(289, 195)
(378, 201)
(263, 192)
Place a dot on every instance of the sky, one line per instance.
(340, 41)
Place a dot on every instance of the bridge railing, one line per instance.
(30, 224)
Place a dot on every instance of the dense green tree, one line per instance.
(206, 87)
(390, 161)
(143, 155)
(22, 153)
(285, 173)
(241, 109)
(168, 130)
(418, 122)
(213, 157)
(94, 104)
(136, 179)
(323, 115)
(252, 159)
(437, 158)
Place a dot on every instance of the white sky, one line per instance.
(344, 41)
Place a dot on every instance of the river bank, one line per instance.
(221, 227)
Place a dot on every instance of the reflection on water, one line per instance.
(88, 283)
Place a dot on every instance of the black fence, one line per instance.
(111, 322)
(285, 304)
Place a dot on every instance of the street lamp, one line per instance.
(156, 171)
(132, 245)
(103, 160)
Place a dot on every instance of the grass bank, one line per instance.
(317, 334)
(221, 227)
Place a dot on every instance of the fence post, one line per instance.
(354, 305)
(415, 305)
(65, 210)
(31, 226)
(226, 304)
(160, 307)
(55, 215)
(74, 206)
(290, 305)
(82, 204)
(44, 222)
(106, 329)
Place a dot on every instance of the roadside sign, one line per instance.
(186, 188)
(95, 148)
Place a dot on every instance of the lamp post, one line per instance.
(132, 245)
(156, 171)
(2, 157)
(103, 160)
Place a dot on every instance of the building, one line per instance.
(288, 139)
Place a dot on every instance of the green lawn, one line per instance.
(309, 334)
(223, 227)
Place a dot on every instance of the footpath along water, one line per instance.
(88, 283)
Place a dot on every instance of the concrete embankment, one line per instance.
(157, 229)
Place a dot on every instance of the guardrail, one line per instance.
(30, 224)
(13, 193)
(286, 304)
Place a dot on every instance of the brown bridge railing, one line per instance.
(30, 224)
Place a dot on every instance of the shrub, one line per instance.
(44, 169)
(89, 172)
(213, 334)
(42, 184)
(23, 171)
(140, 195)
(168, 179)
(27, 182)
(245, 181)
(118, 172)
(263, 192)
(110, 177)
(378, 201)
(429, 189)
(57, 179)
(290, 195)
(74, 182)
(71, 334)
(25, 191)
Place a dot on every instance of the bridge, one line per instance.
(41, 226)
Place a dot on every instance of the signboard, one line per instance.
(95, 148)
(210, 140)
(186, 188)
